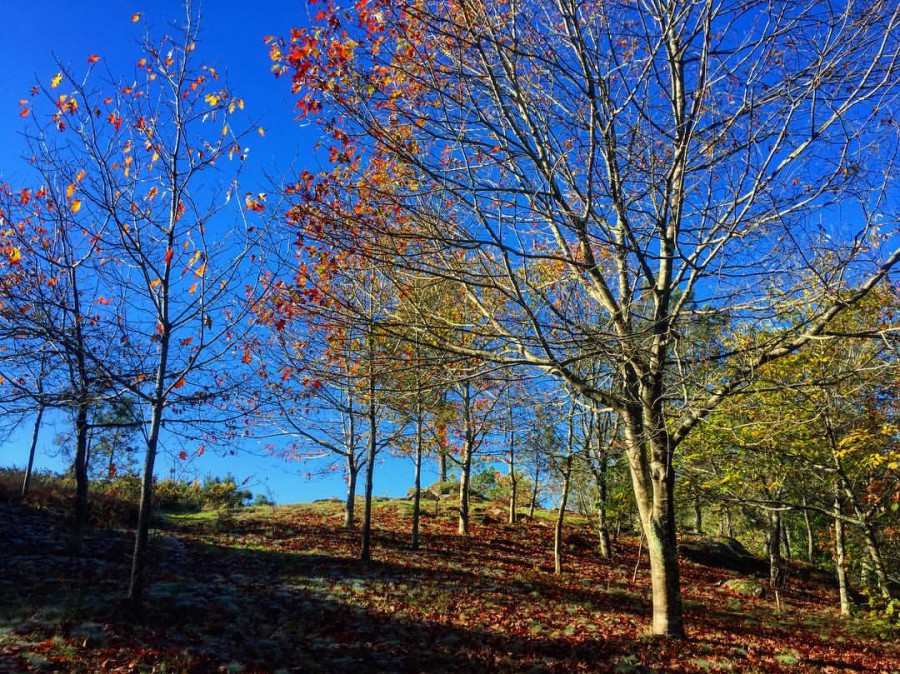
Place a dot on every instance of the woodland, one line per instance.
(625, 272)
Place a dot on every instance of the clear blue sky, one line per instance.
(232, 33)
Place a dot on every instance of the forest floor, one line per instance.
(279, 589)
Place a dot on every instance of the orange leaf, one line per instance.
(200, 270)
(70, 190)
(93, 58)
(168, 256)
(76, 205)
(179, 383)
(135, 17)
(24, 112)
(192, 289)
(14, 255)
(155, 282)
(80, 176)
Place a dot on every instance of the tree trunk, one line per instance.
(417, 485)
(698, 515)
(442, 466)
(81, 476)
(139, 556)
(513, 497)
(840, 557)
(873, 551)
(466, 464)
(365, 553)
(810, 538)
(560, 517)
(350, 504)
(602, 495)
(534, 491)
(725, 526)
(774, 544)
(513, 481)
(786, 540)
(464, 475)
(26, 482)
(653, 482)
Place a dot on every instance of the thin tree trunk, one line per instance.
(464, 476)
(442, 466)
(513, 481)
(840, 557)
(365, 553)
(466, 465)
(560, 517)
(786, 540)
(513, 498)
(698, 515)
(810, 538)
(775, 566)
(873, 551)
(26, 482)
(602, 495)
(534, 490)
(350, 504)
(139, 556)
(81, 476)
(417, 486)
(727, 528)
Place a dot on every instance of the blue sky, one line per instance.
(232, 33)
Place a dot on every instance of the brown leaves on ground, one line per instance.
(280, 590)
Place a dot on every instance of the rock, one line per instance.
(745, 586)
(580, 542)
(725, 553)
(493, 516)
(424, 494)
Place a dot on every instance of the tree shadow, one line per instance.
(262, 610)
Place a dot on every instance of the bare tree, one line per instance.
(134, 171)
(674, 160)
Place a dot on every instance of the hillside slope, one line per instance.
(279, 590)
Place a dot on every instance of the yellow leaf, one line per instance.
(212, 99)
(135, 17)
(261, 131)
(56, 80)
(70, 190)
(80, 176)
(155, 282)
(76, 205)
(200, 270)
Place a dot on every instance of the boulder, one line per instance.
(494, 516)
(724, 553)
(580, 542)
(424, 495)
